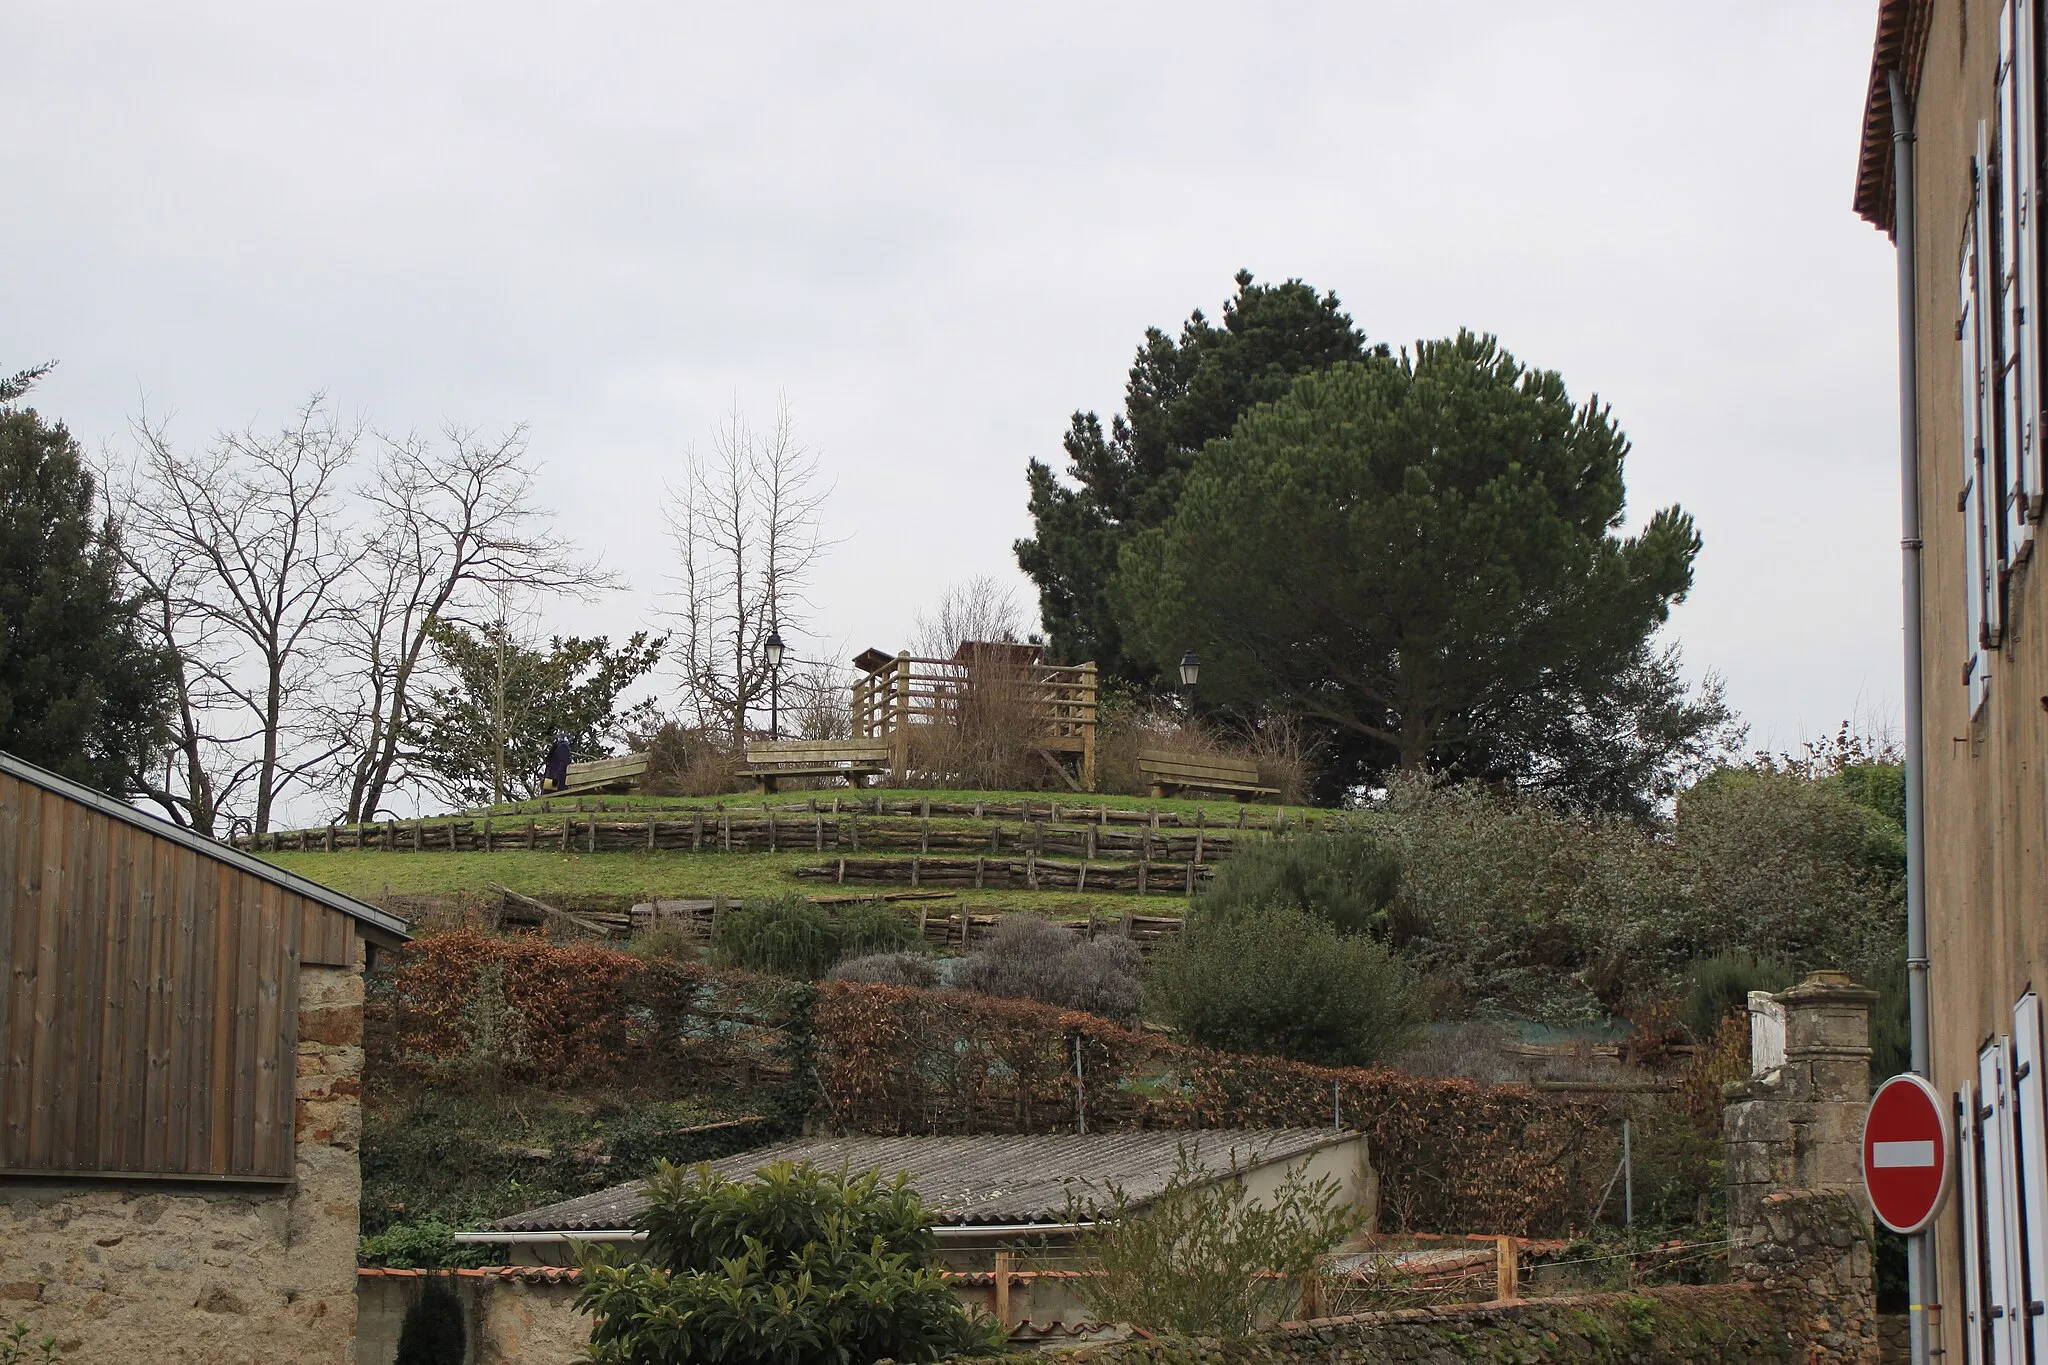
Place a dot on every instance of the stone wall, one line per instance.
(1690, 1325)
(1799, 1221)
(512, 1315)
(194, 1273)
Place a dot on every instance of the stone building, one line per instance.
(1955, 126)
(180, 1088)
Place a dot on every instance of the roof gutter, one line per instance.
(945, 1232)
(1922, 1287)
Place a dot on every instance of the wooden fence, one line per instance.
(1054, 705)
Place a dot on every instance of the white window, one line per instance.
(1971, 1247)
(1970, 1157)
(2015, 451)
(2030, 1128)
(2004, 1308)
(1979, 566)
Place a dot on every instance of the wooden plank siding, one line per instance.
(149, 1023)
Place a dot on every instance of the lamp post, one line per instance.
(771, 649)
(1190, 674)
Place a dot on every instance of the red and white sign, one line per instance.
(1907, 1155)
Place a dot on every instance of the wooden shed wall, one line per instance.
(148, 999)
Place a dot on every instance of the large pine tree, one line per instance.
(1181, 395)
(82, 690)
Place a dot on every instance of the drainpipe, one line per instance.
(1922, 1287)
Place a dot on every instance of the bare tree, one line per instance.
(746, 529)
(982, 609)
(455, 529)
(245, 548)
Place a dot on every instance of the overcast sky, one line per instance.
(939, 229)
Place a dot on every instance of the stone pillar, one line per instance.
(1798, 1219)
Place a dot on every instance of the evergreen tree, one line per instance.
(1421, 554)
(1180, 396)
(572, 686)
(82, 690)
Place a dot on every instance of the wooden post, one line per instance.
(899, 739)
(1506, 1276)
(1003, 1288)
(590, 836)
(567, 820)
(651, 822)
(530, 831)
(771, 826)
(486, 846)
(697, 832)
(330, 836)
(1087, 719)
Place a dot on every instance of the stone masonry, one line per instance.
(200, 1273)
(1798, 1219)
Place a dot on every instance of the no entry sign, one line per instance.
(1906, 1153)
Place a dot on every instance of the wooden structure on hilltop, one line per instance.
(149, 990)
(987, 686)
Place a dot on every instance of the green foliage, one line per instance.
(16, 1346)
(1204, 1258)
(572, 686)
(1282, 980)
(797, 1265)
(1420, 553)
(433, 1332)
(17, 385)
(1180, 396)
(1347, 879)
(426, 1245)
(1512, 905)
(789, 936)
(83, 691)
(1719, 986)
(1789, 868)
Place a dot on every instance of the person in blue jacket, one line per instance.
(557, 774)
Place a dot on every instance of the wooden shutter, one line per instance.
(2002, 1305)
(1970, 334)
(1970, 1249)
(2029, 1131)
(2020, 134)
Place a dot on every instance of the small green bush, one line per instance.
(1028, 958)
(426, 1245)
(1719, 986)
(1206, 1258)
(1284, 981)
(18, 1348)
(791, 937)
(798, 1265)
(1347, 879)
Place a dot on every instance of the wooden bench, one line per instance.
(856, 760)
(621, 774)
(1169, 773)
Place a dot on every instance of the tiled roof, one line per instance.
(990, 1179)
(1901, 45)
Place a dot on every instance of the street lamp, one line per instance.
(1190, 670)
(771, 649)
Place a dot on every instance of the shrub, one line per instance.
(1284, 981)
(1204, 1259)
(1028, 958)
(888, 969)
(426, 1245)
(432, 1333)
(688, 761)
(1347, 879)
(797, 1265)
(18, 1348)
(1720, 986)
(791, 937)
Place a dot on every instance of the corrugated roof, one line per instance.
(1901, 45)
(382, 924)
(988, 1179)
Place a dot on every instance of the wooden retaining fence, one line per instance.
(1029, 872)
(727, 831)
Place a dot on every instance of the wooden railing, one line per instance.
(1053, 704)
